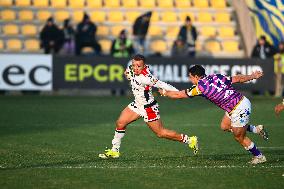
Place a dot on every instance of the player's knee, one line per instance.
(120, 124)
(225, 127)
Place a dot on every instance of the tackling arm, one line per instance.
(245, 78)
(174, 94)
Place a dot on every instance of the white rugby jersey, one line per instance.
(142, 85)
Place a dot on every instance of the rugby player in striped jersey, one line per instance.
(218, 89)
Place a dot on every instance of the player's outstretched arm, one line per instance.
(245, 78)
(173, 94)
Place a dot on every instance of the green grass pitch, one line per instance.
(54, 142)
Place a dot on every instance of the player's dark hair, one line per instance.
(197, 70)
(139, 57)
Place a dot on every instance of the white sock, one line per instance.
(116, 141)
(184, 139)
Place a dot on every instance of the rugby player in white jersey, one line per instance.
(145, 106)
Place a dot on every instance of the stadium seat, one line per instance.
(147, 3)
(94, 3)
(158, 46)
(58, 3)
(8, 15)
(32, 45)
(208, 31)
(204, 17)
(115, 16)
(155, 31)
(183, 15)
(182, 3)
(11, 29)
(77, 16)
(165, 3)
(1, 45)
(155, 17)
(131, 16)
(6, 3)
(29, 30)
(172, 32)
(112, 3)
(168, 17)
(212, 46)
(218, 4)
(198, 45)
(102, 31)
(14, 45)
(87, 50)
(41, 3)
(130, 3)
(60, 16)
(26, 15)
(77, 3)
(201, 3)
(230, 46)
(43, 15)
(106, 45)
(223, 17)
(23, 3)
(98, 16)
(226, 31)
(115, 30)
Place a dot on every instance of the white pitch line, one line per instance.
(271, 147)
(161, 167)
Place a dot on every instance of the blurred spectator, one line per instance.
(179, 48)
(140, 29)
(189, 35)
(122, 47)
(279, 69)
(51, 37)
(69, 35)
(263, 49)
(85, 36)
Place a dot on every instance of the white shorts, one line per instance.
(240, 115)
(148, 112)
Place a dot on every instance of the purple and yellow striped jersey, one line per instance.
(218, 89)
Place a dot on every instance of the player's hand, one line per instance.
(257, 74)
(278, 108)
(127, 74)
(162, 92)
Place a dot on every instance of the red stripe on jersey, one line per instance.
(147, 88)
(182, 137)
(145, 71)
(150, 113)
(120, 129)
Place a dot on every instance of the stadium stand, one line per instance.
(130, 3)
(41, 3)
(58, 3)
(6, 3)
(77, 4)
(212, 18)
(14, 45)
(23, 3)
(43, 15)
(32, 45)
(105, 44)
(8, 15)
(94, 4)
(26, 16)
